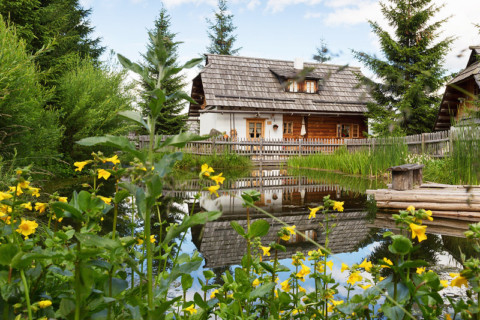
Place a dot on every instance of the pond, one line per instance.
(288, 195)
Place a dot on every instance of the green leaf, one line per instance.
(134, 116)
(127, 64)
(165, 165)
(192, 63)
(237, 227)
(118, 286)
(258, 228)
(190, 221)
(393, 313)
(121, 143)
(180, 95)
(180, 140)
(262, 290)
(92, 240)
(199, 301)
(187, 282)
(120, 196)
(267, 267)
(66, 307)
(7, 252)
(241, 276)
(62, 209)
(400, 245)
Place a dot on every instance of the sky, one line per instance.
(274, 29)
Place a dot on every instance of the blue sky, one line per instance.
(278, 29)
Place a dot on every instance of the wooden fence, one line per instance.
(437, 144)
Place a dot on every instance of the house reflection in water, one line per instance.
(287, 198)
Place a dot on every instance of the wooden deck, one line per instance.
(445, 201)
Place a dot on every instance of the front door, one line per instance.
(255, 128)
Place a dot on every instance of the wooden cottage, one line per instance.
(272, 99)
(459, 93)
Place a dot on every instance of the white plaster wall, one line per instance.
(208, 121)
(225, 122)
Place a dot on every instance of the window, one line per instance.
(310, 86)
(255, 129)
(293, 87)
(355, 131)
(288, 128)
(345, 130)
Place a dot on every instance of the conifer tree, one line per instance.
(221, 32)
(405, 95)
(323, 53)
(170, 121)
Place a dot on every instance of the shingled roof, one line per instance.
(450, 103)
(232, 82)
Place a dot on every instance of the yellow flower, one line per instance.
(27, 205)
(286, 285)
(387, 261)
(213, 189)
(113, 160)
(418, 231)
(429, 215)
(459, 281)
(266, 250)
(329, 264)
(152, 238)
(40, 207)
(420, 270)
(444, 283)
(255, 282)
(24, 184)
(381, 279)
(81, 164)
(344, 267)
(291, 229)
(313, 212)
(364, 286)
(35, 192)
(44, 304)
(337, 205)
(18, 172)
(367, 265)
(190, 309)
(5, 195)
(27, 227)
(17, 189)
(139, 241)
(206, 170)
(301, 289)
(303, 272)
(354, 278)
(63, 199)
(411, 208)
(102, 173)
(285, 237)
(213, 293)
(105, 199)
(218, 178)
(448, 317)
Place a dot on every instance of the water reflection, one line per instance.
(286, 195)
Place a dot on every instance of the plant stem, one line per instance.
(78, 298)
(115, 213)
(27, 294)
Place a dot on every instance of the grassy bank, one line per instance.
(462, 166)
(230, 163)
(363, 162)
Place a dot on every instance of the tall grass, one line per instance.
(224, 161)
(366, 161)
(465, 156)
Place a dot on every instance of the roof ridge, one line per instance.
(280, 60)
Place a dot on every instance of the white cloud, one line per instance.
(314, 15)
(252, 4)
(279, 5)
(174, 3)
(350, 14)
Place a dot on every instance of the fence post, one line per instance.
(300, 146)
(423, 143)
(214, 150)
(261, 151)
(450, 141)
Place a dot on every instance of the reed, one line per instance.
(465, 155)
(372, 161)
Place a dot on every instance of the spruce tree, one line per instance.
(405, 94)
(221, 32)
(170, 121)
(323, 53)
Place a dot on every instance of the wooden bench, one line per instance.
(406, 176)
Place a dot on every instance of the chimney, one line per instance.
(298, 64)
